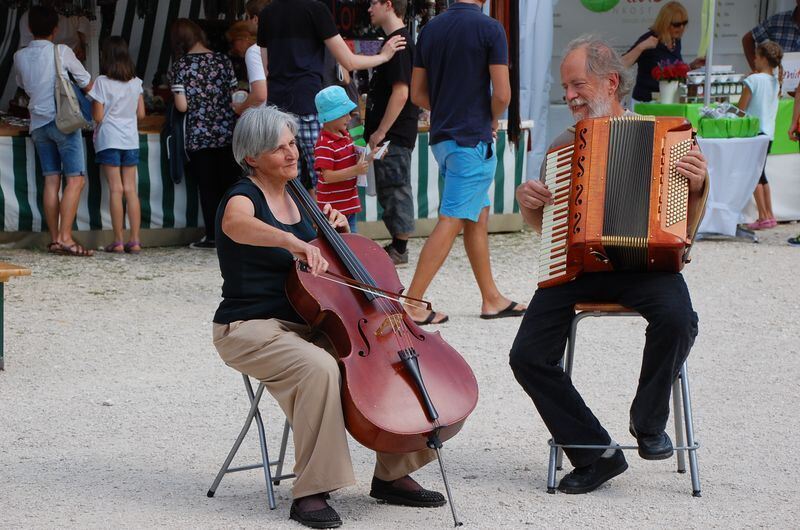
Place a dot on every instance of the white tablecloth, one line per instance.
(734, 167)
(783, 174)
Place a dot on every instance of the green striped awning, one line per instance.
(167, 205)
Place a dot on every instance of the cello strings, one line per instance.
(350, 261)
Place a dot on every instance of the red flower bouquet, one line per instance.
(670, 71)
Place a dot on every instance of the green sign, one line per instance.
(599, 6)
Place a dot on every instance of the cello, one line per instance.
(403, 389)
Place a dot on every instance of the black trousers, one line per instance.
(662, 299)
(215, 170)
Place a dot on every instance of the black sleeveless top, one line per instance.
(254, 278)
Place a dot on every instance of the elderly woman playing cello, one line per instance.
(260, 230)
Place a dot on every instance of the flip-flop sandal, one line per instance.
(430, 319)
(507, 312)
(112, 247)
(75, 250)
(129, 247)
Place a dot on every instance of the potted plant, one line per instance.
(669, 74)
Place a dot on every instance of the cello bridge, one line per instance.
(390, 324)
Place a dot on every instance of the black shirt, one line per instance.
(456, 49)
(293, 32)
(649, 59)
(254, 278)
(403, 131)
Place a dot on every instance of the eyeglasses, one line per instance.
(679, 24)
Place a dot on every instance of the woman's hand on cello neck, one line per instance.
(336, 218)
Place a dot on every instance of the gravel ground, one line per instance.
(115, 410)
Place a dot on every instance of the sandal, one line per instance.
(131, 247)
(54, 247)
(74, 250)
(112, 247)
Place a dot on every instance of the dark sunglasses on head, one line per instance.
(679, 24)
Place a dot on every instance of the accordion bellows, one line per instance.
(619, 202)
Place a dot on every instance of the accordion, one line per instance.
(619, 202)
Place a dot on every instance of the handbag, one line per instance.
(71, 113)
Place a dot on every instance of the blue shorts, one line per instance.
(59, 153)
(468, 174)
(117, 157)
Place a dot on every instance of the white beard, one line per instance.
(595, 109)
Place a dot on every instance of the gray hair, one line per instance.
(602, 60)
(259, 129)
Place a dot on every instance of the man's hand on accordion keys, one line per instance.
(533, 194)
(693, 166)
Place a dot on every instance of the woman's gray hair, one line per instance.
(602, 60)
(259, 129)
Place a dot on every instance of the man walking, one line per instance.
(293, 35)
(460, 53)
(392, 117)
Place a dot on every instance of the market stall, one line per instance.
(166, 205)
(782, 163)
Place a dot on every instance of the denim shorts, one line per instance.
(468, 174)
(59, 153)
(117, 157)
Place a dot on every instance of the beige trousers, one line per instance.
(294, 364)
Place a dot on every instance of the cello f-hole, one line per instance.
(361, 323)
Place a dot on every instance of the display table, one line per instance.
(167, 205)
(734, 167)
(691, 111)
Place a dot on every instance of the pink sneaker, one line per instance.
(759, 225)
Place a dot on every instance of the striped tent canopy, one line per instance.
(143, 23)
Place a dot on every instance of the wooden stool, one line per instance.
(681, 400)
(7, 271)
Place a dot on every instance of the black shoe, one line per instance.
(324, 518)
(398, 258)
(423, 498)
(588, 478)
(656, 446)
(204, 244)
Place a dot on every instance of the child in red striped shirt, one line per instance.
(336, 160)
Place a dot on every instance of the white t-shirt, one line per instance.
(764, 101)
(118, 130)
(255, 68)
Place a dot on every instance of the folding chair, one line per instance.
(266, 464)
(681, 400)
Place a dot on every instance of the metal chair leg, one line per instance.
(245, 428)
(551, 468)
(255, 415)
(689, 421)
(677, 413)
(282, 453)
(262, 441)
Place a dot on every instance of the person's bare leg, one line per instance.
(476, 243)
(69, 207)
(114, 178)
(431, 258)
(759, 196)
(768, 202)
(132, 200)
(52, 186)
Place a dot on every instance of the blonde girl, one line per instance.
(760, 98)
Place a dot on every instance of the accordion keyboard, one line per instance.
(555, 217)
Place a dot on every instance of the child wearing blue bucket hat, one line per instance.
(336, 160)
